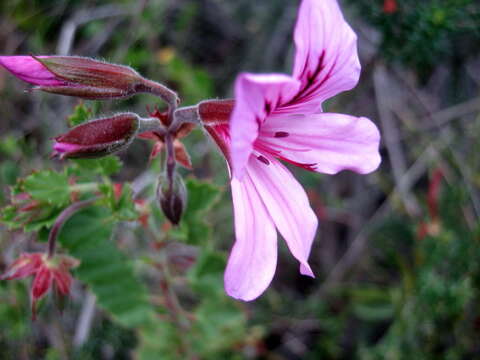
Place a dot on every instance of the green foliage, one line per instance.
(218, 322)
(422, 34)
(160, 339)
(47, 186)
(121, 205)
(218, 327)
(80, 114)
(435, 304)
(43, 216)
(206, 276)
(195, 83)
(106, 166)
(104, 268)
(36, 201)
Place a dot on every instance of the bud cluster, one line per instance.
(97, 80)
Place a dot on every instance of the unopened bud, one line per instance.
(215, 112)
(83, 77)
(215, 117)
(172, 197)
(91, 79)
(98, 138)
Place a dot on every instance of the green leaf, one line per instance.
(206, 277)
(108, 165)
(219, 325)
(80, 114)
(122, 208)
(48, 186)
(104, 268)
(159, 340)
(195, 84)
(201, 197)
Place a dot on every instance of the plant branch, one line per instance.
(61, 219)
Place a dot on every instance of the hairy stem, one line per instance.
(157, 89)
(187, 114)
(150, 124)
(61, 219)
(170, 163)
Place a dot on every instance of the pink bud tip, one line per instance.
(30, 70)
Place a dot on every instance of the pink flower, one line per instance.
(276, 116)
(48, 272)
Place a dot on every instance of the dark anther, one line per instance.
(281, 134)
(263, 160)
(268, 108)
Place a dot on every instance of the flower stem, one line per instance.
(150, 124)
(61, 219)
(157, 89)
(170, 163)
(187, 114)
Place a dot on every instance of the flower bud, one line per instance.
(83, 77)
(215, 112)
(172, 197)
(98, 138)
(215, 117)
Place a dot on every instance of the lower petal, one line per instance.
(253, 258)
(288, 206)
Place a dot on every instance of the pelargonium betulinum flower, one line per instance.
(276, 116)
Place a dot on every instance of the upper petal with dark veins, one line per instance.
(326, 57)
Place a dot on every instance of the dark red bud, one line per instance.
(98, 138)
(172, 197)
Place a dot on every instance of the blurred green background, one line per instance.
(397, 252)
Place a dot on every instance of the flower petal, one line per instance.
(253, 258)
(181, 154)
(63, 280)
(256, 96)
(30, 70)
(25, 265)
(41, 283)
(326, 58)
(326, 142)
(288, 206)
(220, 135)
